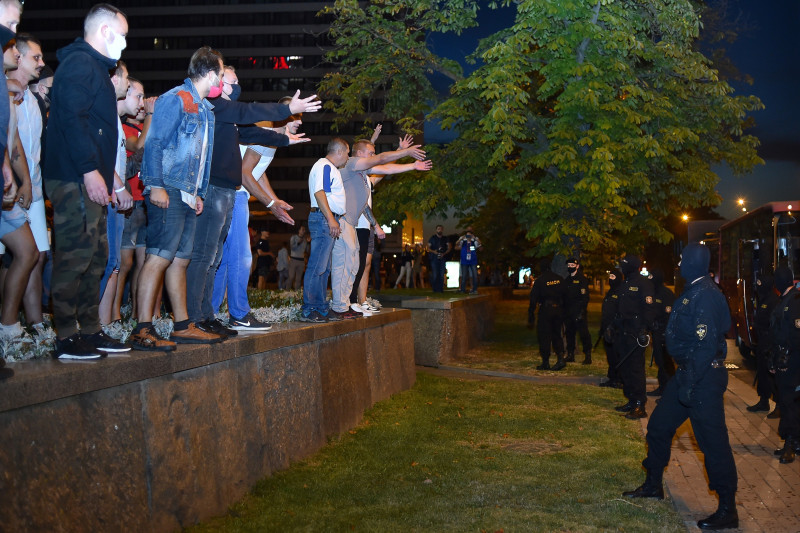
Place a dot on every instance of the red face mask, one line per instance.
(215, 90)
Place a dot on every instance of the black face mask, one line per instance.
(572, 269)
(439, 233)
(236, 91)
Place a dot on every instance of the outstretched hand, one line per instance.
(405, 142)
(416, 152)
(281, 214)
(423, 165)
(296, 138)
(376, 133)
(305, 105)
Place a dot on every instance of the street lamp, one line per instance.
(740, 201)
(685, 217)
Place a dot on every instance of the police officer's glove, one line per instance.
(685, 395)
(643, 339)
(608, 335)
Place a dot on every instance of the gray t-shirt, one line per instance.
(298, 245)
(356, 188)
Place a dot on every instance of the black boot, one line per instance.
(790, 448)
(570, 358)
(776, 413)
(651, 488)
(725, 517)
(545, 365)
(587, 359)
(658, 391)
(560, 363)
(625, 408)
(637, 411)
(762, 405)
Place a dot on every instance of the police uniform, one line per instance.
(635, 314)
(785, 361)
(577, 300)
(662, 302)
(766, 301)
(695, 338)
(548, 293)
(608, 312)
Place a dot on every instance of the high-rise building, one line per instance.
(276, 47)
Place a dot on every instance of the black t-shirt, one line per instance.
(263, 260)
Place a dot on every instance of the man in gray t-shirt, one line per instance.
(298, 245)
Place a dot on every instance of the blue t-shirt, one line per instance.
(469, 252)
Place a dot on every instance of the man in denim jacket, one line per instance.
(175, 171)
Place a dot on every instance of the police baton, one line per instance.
(619, 364)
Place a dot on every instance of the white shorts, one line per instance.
(38, 221)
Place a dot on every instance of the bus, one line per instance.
(749, 247)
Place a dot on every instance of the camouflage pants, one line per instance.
(80, 252)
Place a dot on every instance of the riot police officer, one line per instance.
(607, 313)
(766, 300)
(695, 338)
(577, 302)
(785, 361)
(548, 293)
(662, 300)
(635, 313)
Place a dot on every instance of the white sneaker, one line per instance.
(368, 307)
(358, 309)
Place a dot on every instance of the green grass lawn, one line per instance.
(470, 455)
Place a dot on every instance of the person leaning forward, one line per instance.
(695, 337)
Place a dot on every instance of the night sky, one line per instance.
(766, 51)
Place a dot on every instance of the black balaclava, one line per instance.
(784, 278)
(764, 286)
(694, 261)
(573, 269)
(630, 264)
(544, 265)
(658, 277)
(616, 281)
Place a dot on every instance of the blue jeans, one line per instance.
(115, 224)
(212, 228)
(469, 271)
(170, 231)
(437, 273)
(315, 281)
(234, 269)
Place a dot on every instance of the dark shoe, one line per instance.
(216, 327)
(107, 344)
(314, 317)
(587, 361)
(543, 366)
(570, 358)
(334, 316)
(646, 490)
(637, 412)
(76, 347)
(762, 405)
(249, 323)
(776, 413)
(625, 408)
(5, 373)
(350, 314)
(787, 455)
(725, 517)
(658, 391)
(147, 340)
(194, 335)
(559, 364)
(610, 383)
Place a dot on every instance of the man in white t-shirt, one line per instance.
(327, 209)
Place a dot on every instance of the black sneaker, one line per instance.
(76, 347)
(334, 316)
(215, 326)
(107, 344)
(314, 317)
(249, 323)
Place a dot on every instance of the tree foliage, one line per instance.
(595, 119)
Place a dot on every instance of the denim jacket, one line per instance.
(174, 142)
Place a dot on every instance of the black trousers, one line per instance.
(665, 364)
(707, 415)
(765, 381)
(573, 325)
(630, 358)
(362, 235)
(787, 381)
(548, 330)
(611, 357)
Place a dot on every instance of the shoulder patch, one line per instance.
(648, 299)
(686, 301)
(797, 323)
(702, 330)
(583, 291)
(668, 309)
(633, 288)
(188, 102)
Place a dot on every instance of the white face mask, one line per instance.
(116, 46)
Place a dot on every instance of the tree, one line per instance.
(595, 118)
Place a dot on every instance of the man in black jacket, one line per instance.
(576, 305)
(79, 175)
(766, 300)
(548, 294)
(226, 177)
(695, 337)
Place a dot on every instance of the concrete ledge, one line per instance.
(444, 328)
(157, 442)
